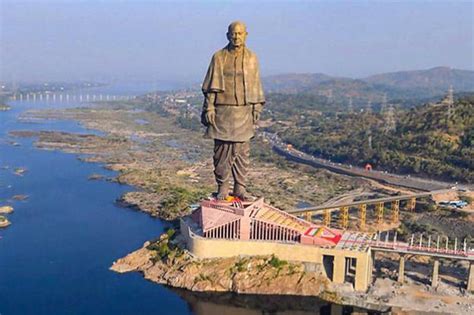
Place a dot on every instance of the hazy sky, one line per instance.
(151, 40)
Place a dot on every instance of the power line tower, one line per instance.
(350, 107)
(450, 102)
(368, 108)
(383, 106)
(330, 95)
(389, 118)
(369, 138)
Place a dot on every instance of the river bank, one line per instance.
(169, 166)
(68, 227)
(165, 261)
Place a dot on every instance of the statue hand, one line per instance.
(256, 116)
(211, 117)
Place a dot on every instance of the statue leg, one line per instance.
(223, 157)
(240, 168)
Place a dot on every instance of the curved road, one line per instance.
(404, 181)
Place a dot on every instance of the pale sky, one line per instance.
(163, 40)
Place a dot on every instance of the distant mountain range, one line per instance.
(435, 78)
(402, 85)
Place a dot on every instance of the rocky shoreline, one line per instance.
(167, 167)
(165, 261)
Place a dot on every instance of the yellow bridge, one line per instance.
(378, 203)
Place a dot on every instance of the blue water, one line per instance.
(55, 256)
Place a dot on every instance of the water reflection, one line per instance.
(249, 304)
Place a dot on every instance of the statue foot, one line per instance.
(243, 197)
(222, 192)
(241, 193)
(221, 196)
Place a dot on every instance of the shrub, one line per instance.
(275, 262)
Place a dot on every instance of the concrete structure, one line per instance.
(259, 221)
(423, 247)
(470, 279)
(219, 229)
(435, 274)
(401, 269)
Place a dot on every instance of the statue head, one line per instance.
(236, 34)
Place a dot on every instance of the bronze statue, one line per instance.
(233, 101)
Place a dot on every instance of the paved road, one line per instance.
(404, 181)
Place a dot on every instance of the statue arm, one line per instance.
(208, 114)
(209, 102)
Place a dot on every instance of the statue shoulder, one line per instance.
(219, 54)
(250, 52)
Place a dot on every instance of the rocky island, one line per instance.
(6, 209)
(3, 220)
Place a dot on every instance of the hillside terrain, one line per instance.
(425, 140)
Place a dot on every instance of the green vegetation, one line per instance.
(263, 152)
(294, 106)
(189, 122)
(425, 141)
(164, 246)
(275, 262)
(177, 198)
(202, 277)
(170, 232)
(240, 265)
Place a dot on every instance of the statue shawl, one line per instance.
(214, 80)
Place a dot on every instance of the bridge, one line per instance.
(378, 203)
(418, 245)
(68, 97)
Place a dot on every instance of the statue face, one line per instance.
(237, 35)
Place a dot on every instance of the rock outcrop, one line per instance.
(165, 262)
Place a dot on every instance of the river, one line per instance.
(55, 257)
